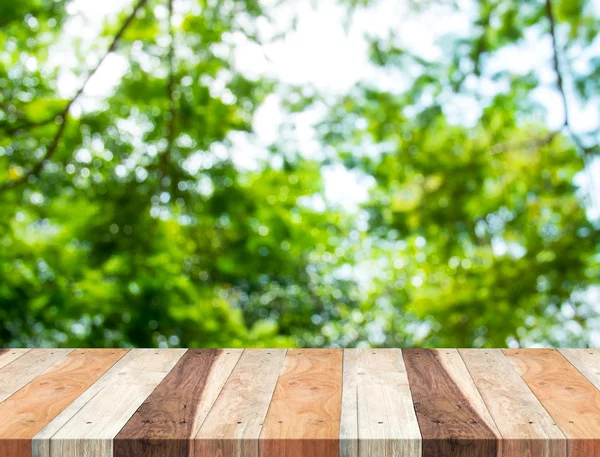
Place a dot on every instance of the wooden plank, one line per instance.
(91, 429)
(349, 415)
(41, 441)
(387, 424)
(587, 361)
(568, 396)
(9, 355)
(165, 424)
(304, 416)
(24, 369)
(233, 425)
(526, 428)
(453, 418)
(27, 411)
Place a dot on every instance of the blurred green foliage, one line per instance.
(127, 221)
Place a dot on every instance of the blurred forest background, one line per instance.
(297, 173)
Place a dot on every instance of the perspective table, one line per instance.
(299, 402)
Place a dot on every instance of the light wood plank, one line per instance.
(24, 369)
(41, 441)
(304, 416)
(9, 355)
(387, 424)
(27, 411)
(349, 419)
(527, 429)
(568, 396)
(166, 423)
(91, 430)
(234, 424)
(587, 361)
(453, 418)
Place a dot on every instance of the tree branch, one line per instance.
(171, 121)
(535, 143)
(584, 151)
(28, 125)
(62, 116)
(560, 85)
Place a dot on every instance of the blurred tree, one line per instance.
(126, 220)
(481, 220)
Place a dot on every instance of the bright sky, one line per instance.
(322, 52)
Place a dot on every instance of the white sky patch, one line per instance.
(319, 51)
(85, 23)
(316, 51)
(245, 152)
(268, 118)
(589, 183)
(463, 110)
(314, 202)
(348, 188)
(108, 76)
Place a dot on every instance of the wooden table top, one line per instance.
(299, 402)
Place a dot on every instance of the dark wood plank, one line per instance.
(305, 412)
(452, 416)
(568, 396)
(164, 425)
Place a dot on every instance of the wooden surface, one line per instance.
(9, 355)
(234, 423)
(31, 408)
(452, 416)
(526, 427)
(92, 428)
(568, 396)
(304, 414)
(299, 403)
(387, 424)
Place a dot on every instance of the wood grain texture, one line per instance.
(91, 430)
(41, 441)
(349, 414)
(9, 355)
(387, 424)
(233, 425)
(165, 424)
(527, 429)
(587, 361)
(27, 411)
(452, 416)
(24, 369)
(304, 416)
(568, 396)
(306, 402)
